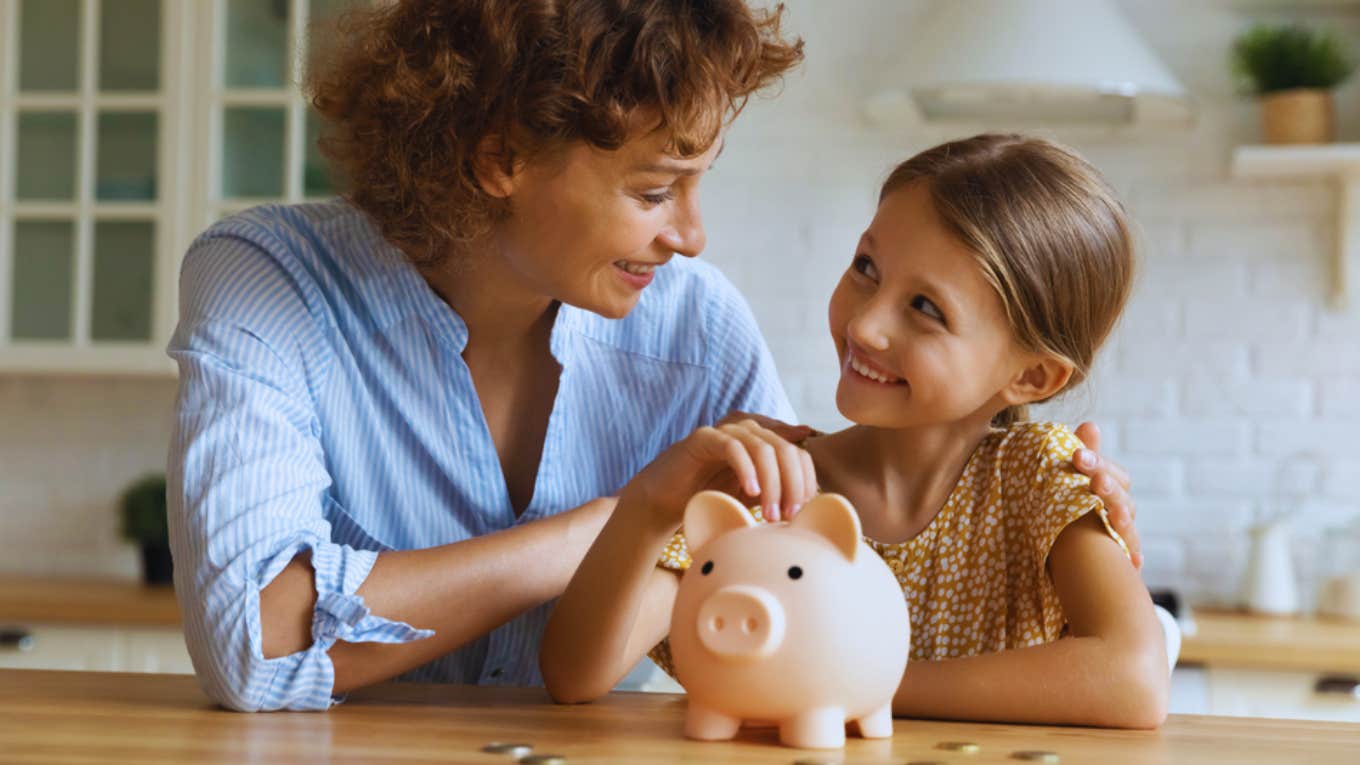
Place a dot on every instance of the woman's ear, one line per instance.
(495, 167)
(1042, 378)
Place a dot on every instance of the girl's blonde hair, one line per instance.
(1048, 233)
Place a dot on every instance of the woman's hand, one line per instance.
(738, 453)
(1111, 483)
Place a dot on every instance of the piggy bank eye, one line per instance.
(795, 572)
(708, 568)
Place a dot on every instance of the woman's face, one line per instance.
(588, 227)
(921, 335)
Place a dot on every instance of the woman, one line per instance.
(402, 416)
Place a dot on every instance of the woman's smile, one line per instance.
(635, 273)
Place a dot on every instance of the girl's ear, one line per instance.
(1042, 378)
(495, 167)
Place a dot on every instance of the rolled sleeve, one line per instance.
(248, 484)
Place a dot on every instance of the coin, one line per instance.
(967, 747)
(1036, 756)
(515, 751)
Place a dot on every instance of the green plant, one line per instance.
(142, 507)
(1273, 58)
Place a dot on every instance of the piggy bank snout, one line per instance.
(741, 622)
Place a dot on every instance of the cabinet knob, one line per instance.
(15, 639)
(1338, 685)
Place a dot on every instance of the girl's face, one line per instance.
(921, 335)
(588, 227)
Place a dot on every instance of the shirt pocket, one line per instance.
(346, 530)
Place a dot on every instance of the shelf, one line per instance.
(1339, 162)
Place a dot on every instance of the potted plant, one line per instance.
(1293, 69)
(142, 508)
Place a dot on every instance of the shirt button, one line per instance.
(497, 672)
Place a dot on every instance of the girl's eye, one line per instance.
(863, 265)
(654, 198)
(925, 306)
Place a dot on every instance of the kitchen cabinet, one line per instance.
(126, 127)
(1256, 666)
(75, 624)
(95, 648)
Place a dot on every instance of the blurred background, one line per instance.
(1231, 391)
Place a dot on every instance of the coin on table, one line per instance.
(967, 747)
(543, 759)
(514, 751)
(1036, 756)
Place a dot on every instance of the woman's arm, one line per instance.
(618, 604)
(1111, 671)
(483, 576)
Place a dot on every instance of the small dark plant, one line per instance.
(143, 512)
(1274, 58)
(142, 508)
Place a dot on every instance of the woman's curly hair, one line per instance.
(411, 88)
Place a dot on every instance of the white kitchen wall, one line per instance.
(1229, 364)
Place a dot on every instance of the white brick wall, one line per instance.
(1227, 365)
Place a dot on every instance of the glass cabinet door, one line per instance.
(83, 108)
(265, 134)
(126, 127)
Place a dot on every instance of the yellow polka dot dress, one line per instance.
(976, 577)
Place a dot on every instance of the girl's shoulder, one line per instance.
(1027, 447)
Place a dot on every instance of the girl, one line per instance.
(993, 270)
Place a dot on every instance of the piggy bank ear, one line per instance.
(711, 513)
(833, 517)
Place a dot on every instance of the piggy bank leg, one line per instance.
(878, 723)
(822, 728)
(707, 724)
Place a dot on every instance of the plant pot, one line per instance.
(1302, 115)
(157, 566)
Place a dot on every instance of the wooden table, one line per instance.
(50, 717)
(1248, 641)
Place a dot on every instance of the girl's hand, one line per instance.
(757, 460)
(1111, 483)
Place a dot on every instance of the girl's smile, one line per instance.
(859, 366)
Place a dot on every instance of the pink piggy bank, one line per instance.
(798, 623)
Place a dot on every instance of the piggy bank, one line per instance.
(799, 624)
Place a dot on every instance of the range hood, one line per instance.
(1030, 62)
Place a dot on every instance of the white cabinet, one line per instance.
(100, 649)
(1258, 693)
(127, 126)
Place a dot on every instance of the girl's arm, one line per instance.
(618, 604)
(1111, 671)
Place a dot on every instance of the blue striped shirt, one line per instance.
(324, 407)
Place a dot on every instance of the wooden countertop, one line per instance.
(86, 601)
(124, 718)
(1247, 641)
(1223, 639)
